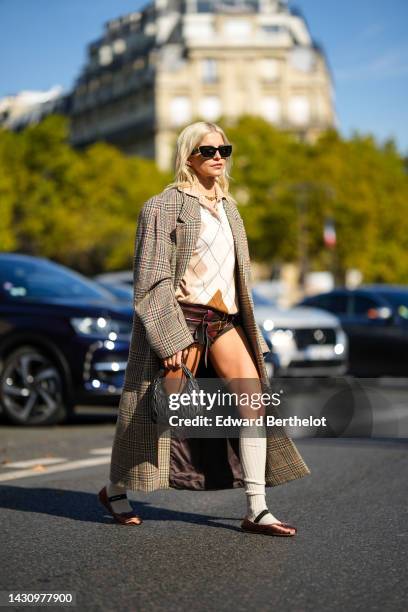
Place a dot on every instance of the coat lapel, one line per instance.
(187, 232)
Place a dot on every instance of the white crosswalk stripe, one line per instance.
(40, 470)
(34, 462)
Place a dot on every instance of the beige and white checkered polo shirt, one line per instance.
(209, 278)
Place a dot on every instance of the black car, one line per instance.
(375, 318)
(64, 341)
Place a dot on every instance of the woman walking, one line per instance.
(192, 300)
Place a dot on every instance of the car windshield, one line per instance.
(261, 300)
(122, 292)
(40, 279)
(399, 300)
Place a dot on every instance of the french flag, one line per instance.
(329, 233)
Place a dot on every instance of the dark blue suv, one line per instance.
(64, 340)
(375, 319)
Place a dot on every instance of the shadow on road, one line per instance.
(85, 507)
(80, 417)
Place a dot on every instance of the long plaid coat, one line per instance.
(142, 454)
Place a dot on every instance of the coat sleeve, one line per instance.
(262, 342)
(264, 347)
(155, 302)
(248, 273)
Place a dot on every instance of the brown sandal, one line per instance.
(124, 518)
(272, 529)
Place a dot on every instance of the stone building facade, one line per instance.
(178, 61)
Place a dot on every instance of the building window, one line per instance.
(269, 69)
(271, 108)
(210, 108)
(180, 110)
(209, 70)
(210, 6)
(153, 56)
(139, 63)
(204, 6)
(199, 30)
(93, 84)
(272, 28)
(299, 110)
(237, 28)
(302, 59)
(119, 45)
(105, 55)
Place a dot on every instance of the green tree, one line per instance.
(287, 188)
(80, 207)
(76, 207)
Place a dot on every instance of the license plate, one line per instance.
(319, 352)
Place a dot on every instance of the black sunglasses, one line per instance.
(209, 151)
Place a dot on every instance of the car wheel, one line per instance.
(31, 388)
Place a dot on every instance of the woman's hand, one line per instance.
(174, 362)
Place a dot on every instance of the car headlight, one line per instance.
(268, 325)
(341, 346)
(341, 337)
(102, 327)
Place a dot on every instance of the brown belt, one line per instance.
(210, 321)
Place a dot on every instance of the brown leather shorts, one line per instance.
(206, 324)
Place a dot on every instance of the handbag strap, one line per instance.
(186, 371)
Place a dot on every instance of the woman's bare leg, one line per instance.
(231, 356)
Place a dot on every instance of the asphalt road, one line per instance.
(349, 553)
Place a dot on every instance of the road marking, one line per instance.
(33, 462)
(65, 467)
(101, 451)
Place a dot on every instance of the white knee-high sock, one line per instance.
(252, 448)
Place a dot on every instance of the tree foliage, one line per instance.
(287, 188)
(76, 207)
(80, 207)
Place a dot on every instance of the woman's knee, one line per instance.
(233, 361)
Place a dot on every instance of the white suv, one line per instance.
(307, 341)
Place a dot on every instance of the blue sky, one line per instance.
(43, 43)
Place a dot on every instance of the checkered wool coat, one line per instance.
(143, 455)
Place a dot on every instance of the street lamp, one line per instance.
(302, 192)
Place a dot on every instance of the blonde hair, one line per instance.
(189, 138)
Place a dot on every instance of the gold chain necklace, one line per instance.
(211, 198)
